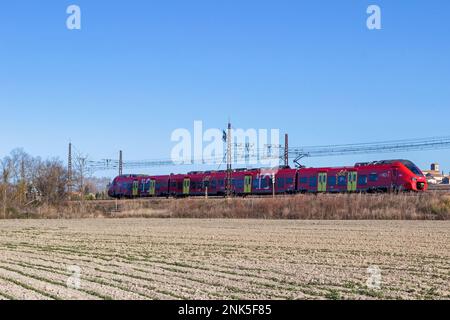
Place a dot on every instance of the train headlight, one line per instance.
(414, 179)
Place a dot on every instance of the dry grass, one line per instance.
(224, 259)
(428, 206)
(325, 206)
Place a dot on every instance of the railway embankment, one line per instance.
(407, 206)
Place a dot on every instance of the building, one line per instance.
(435, 167)
(435, 176)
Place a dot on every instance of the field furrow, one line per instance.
(224, 259)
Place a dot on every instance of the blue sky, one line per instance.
(137, 70)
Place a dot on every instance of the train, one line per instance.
(376, 176)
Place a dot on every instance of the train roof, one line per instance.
(238, 170)
(382, 162)
(407, 163)
(132, 175)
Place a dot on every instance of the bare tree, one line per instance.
(81, 172)
(6, 166)
(21, 175)
(50, 178)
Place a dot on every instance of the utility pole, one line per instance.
(82, 166)
(229, 158)
(273, 184)
(286, 150)
(120, 163)
(82, 163)
(5, 189)
(23, 183)
(69, 172)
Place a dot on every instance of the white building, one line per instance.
(435, 176)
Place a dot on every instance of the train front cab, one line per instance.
(408, 177)
(112, 190)
(121, 187)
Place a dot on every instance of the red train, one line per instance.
(377, 176)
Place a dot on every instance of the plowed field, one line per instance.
(224, 259)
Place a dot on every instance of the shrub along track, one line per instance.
(223, 259)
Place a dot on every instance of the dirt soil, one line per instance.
(224, 259)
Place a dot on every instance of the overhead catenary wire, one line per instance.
(279, 152)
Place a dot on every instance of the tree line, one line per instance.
(32, 181)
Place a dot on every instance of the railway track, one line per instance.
(439, 188)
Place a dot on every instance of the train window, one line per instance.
(221, 183)
(289, 180)
(332, 180)
(213, 183)
(412, 167)
(180, 185)
(264, 183)
(362, 180)
(239, 184)
(255, 184)
(304, 180)
(373, 177)
(313, 181)
(280, 182)
(342, 180)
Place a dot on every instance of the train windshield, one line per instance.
(412, 167)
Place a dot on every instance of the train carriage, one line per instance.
(377, 176)
(216, 181)
(264, 183)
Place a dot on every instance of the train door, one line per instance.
(135, 190)
(152, 188)
(248, 184)
(186, 186)
(322, 182)
(351, 181)
(395, 177)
